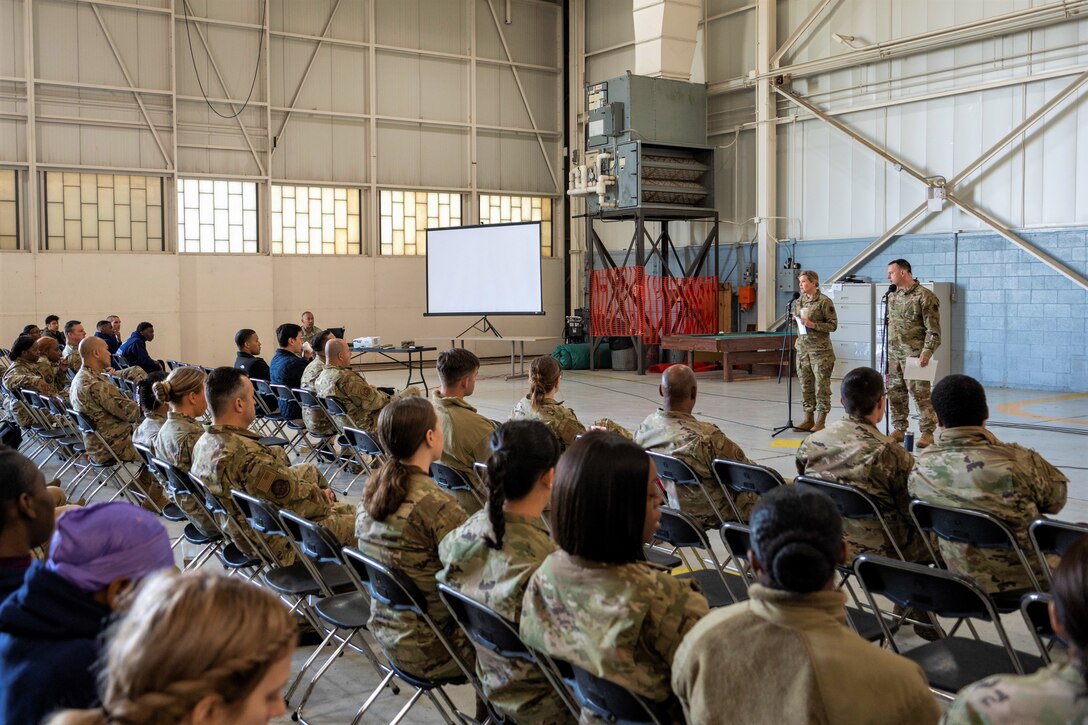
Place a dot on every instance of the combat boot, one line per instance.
(821, 417)
(806, 424)
(925, 441)
(898, 436)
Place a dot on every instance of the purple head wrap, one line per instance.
(92, 546)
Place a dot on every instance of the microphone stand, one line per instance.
(787, 344)
(885, 363)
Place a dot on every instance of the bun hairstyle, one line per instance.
(797, 537)
(544, 374)
(178, 384)
(145, 387)
(1070, 590)
(171, 649)
(402, 429)
(521, 452)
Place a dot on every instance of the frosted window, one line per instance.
(103, 211)
(315, 220)
(9, 210)
(405, 216)
(503, 209)
(216, 216)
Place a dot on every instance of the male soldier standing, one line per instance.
(113, 415)
(73, 335)
(968, 467)
(361, 400)
(815, 356)
(914, 330)
(674, 431)
(229, 456)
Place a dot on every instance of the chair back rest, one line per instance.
(484, 625)
(738, 539)
(145, 453)
(963, 526)
(85, 424)
(852, 503)
(613, 702)
(264, 397)
(673, 469)
(362, 441)
(386, 585)
(1035, 607)
(31, 397)
(1054, 537)
(283, 393)
(164, 472)
(480, 468)
(931, 590)
(119, 361)
(306, 399)
(197, 488)
(334, 406)
(261, 515)
(746, 477)
(313, 540)
(56, 406)
(449, 478)
(680, 530)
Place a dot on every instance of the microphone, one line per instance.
(793, 298)
(795, 295)
(891, 288)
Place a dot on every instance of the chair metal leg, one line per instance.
(309, 661)
(374, 696)
(411, 702)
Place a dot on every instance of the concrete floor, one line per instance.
(747, 412)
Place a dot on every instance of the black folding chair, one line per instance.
(208, 543)
(613, 702)
(720, 587)
(1052, 538)
(233, 552)
(453, 480)
(1035, 608)
(736, 478)
(324, 449)
(298, 430)
(978, 529)
(170, 511)
(363, 448)
(672, 470)
(109, 469)
(951, 662)
(269, 418)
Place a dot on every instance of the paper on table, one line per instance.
(801, 329)
(912, 370)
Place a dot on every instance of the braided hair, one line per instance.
(172, 650)
(521, 452)
(797, 537)
(1070, 590)
(145, 391)
(544, 374)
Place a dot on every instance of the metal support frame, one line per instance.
(766, 162)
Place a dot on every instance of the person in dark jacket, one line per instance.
(51, 627)
(52, 329)
(288, 364)
(26, 517)
(104, 331)
(249, 360)
(135, 348)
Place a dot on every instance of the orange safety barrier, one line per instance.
(625, 302)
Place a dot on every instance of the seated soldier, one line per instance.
(53, 366)
(968, 467)
(104, 332)
(24, 373)
(466, 434)
(674, 431)
(52, 329)
(309, 329)
(852, 451)
(73, 335)
(153, 409)
(32, 331)
(229, 456)
(249, 360)
(113, 415)
(316, 421)
(362, 402)
(135, 348)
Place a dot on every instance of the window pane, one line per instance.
(505, 209)
(404, 217)
(96, 211)
(9, 209)
(314, 217)
(221, 218)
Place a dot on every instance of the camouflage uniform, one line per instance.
(815, 356)
(228, 458)
(1054, 695)
(113, 414)
(361, 401)
(148, 429)
(71, 354)
(620, 622)
(970, 468)
(407, 540)
(697, 444)
(316, 421)
(466, 438)
(497, 578)
(133, 373)
(21, 375)
(51, 373)
(174, 444)
(308, 333)
(854, 452)
(561, 420)
(914, 327)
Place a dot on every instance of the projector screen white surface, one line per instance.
(485, 270)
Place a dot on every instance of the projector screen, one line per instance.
(492, 269)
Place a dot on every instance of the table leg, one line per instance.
(727, 369)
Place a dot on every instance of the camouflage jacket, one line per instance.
(112, 412)
(362, 402)
(148, 429)
(317, 422)
(1054, 695)
(497, 578)
(466, 438)
(970, 468)
(820, 311)
(57, 380)
(914, 322)
(696, 443)
(21, 375)
(309, 332)
(175, 440)
(407, 540)
(620, 622)
(71, 354)
(309, 375)
(853, 451)
(560, 419)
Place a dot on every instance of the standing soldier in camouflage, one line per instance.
(361, 401)
(540, 404)
(113, 414)
(24, 373)
(853, 451)
(674, 431)
(465, 432)
(73, 335)
(914, 330)
(229, 456)
(491, 556)
(815, 357)
(968, 467)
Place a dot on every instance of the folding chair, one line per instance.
(208, 543)
(1035, 608)
(613, 702)
(362, 446)
(720, 588)
(308, 401)
(229, 553)
(950, 663)
(1050, 537)
(55, 440)
(170, 511)
(391, 588)
(453, 480)
(298, 430)
(978, 529)
(488, 630)
(76, 448)
(672, 470)
(110, 469)
(345, 613)
(269, 418)
(736, 478)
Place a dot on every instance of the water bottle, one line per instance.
(908, 442)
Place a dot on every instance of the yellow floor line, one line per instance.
(793, 443)
(1017, 408)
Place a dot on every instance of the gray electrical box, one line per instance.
(788, 280)
(640, 108)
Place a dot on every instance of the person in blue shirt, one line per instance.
(135, 348)
(288, 364)
(104, 331)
